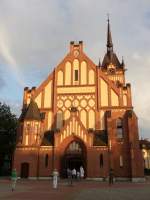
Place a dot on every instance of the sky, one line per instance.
(35, 37)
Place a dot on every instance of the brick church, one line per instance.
(80, 115)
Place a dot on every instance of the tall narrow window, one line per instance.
(46, 160)
(36, 128)
(59, 119)
(101, 160)
(121, 161)
(119, 127)
(76, 76)
(28, 128)
(26, 140)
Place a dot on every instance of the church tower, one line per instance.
(111, 66)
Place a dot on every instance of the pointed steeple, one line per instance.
(110, 56)
(123, 64)
(31, 112)
(99, 64)
(109, 38)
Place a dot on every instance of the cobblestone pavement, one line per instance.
(84, 190)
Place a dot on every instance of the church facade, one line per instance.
(81, 115)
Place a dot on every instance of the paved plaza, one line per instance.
(83, 190)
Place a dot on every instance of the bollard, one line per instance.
(55, 179)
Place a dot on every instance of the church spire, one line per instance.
(109, 38)
(110, 56)
(123, 64)
(99, 64)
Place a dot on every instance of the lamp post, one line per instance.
(109, 150)
(53, 151)
(110, 157)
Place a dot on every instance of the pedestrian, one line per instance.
(74, 173)
(13, 179)
(55, 178)
(69, 176)
(78, 175)
(111, 177)
(81, 172)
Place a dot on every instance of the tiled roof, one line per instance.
(111, 58)
(32, 112)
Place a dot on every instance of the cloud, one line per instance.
(35, 35)
(7, 55)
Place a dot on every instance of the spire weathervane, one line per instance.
(108, 17)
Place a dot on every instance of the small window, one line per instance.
(119, 128)
(76, 75)
(46, 160)
(101, 160)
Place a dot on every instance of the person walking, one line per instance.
(78, 175)
(74, 173)
(13, 179)
(81, 172)
(55, 178)
(111, 177)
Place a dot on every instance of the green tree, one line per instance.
(8, 129)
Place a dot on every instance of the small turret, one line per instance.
(122, 63)
(99, 64)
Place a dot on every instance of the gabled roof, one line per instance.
(67, 131)
(31, 112)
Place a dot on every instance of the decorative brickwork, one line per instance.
(84, 108)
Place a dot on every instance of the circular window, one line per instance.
(60, 104)
(67, 103)
(83, 103)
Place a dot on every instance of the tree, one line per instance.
(8, 129)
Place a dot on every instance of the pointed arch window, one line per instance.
(74, 147)
(119, 127)
(28, 127)
(59, 121)
(36, 128)
(76, 75)
(27, 139)
(121, 161)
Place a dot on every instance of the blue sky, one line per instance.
(35, 36)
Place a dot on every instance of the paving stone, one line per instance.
(81, 190)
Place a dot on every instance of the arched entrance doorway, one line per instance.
(24, 170)
(74, 157)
